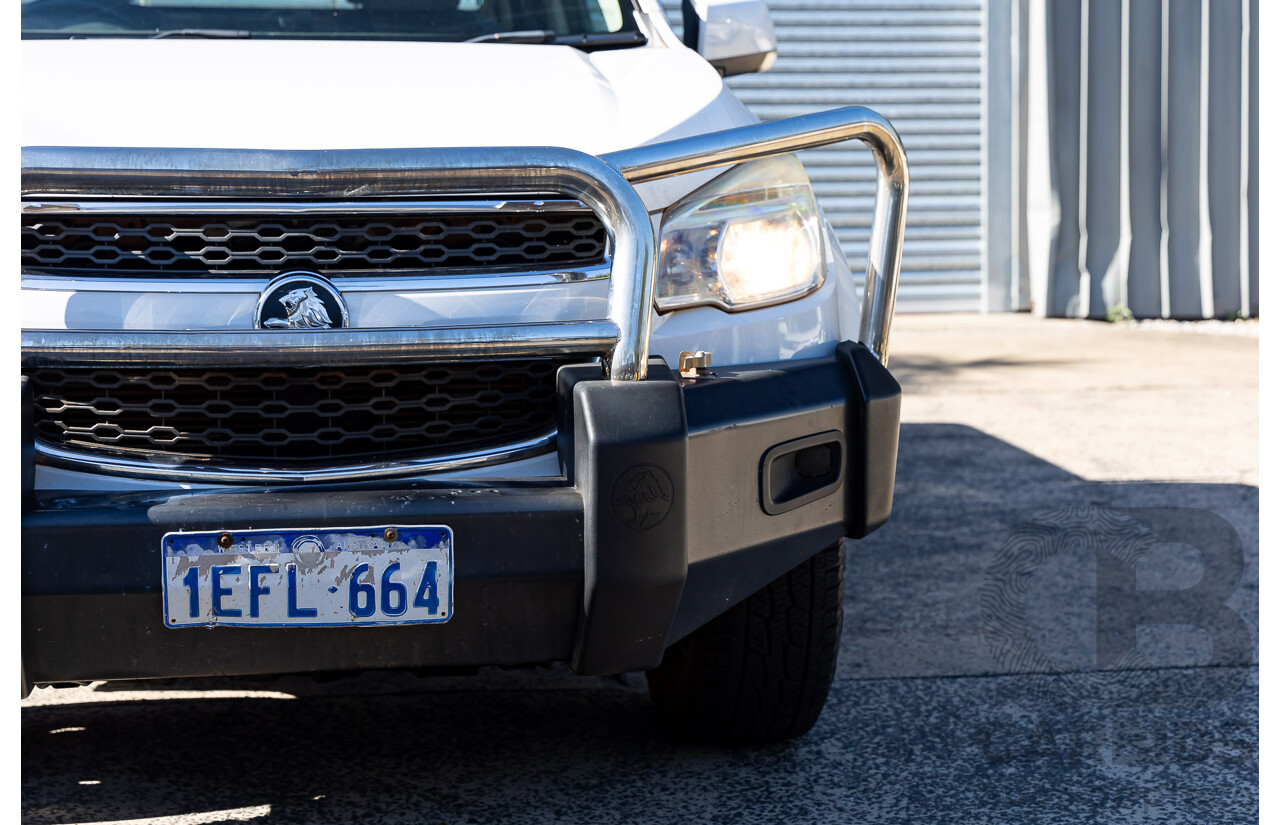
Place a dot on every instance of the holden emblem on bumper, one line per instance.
(300, 300)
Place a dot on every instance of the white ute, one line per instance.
(443, 333)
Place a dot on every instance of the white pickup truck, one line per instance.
(435, 334)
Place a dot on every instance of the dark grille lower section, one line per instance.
(259, 245)
(301, 417)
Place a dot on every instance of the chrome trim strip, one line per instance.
(284, 207)
(193, 472)
(691, 154)
(345, 347)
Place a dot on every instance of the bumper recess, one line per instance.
(678, 498)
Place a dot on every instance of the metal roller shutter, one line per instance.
(920, 63)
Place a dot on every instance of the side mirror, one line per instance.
(735, 36)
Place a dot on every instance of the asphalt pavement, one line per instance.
(1058, 624)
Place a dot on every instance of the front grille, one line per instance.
(296, 418)
(258, 245)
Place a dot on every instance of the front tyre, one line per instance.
(761, 671)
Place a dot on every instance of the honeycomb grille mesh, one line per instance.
(258, 245)
(296, 417)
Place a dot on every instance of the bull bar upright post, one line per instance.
(662, 160)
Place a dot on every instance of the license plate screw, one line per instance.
(224, 540)
(390, 534)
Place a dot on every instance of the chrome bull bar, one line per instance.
(602, 183)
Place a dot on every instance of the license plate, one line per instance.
(308, 578)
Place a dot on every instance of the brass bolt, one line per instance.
(224, 540)
(390, 534)
(695, 364)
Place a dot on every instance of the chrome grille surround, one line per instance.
(203, 239)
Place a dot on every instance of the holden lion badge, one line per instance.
(301, 300)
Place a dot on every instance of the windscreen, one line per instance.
(442, 20)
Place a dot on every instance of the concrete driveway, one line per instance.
(1059, 624)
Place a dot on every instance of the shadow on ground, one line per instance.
(919, 371)
(928, 720)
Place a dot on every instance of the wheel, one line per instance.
(761, 671)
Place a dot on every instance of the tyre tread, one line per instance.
(760, 672)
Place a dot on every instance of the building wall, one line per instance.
(1141, 151)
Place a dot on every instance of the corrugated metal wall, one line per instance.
(1156, 101)
(922, 64)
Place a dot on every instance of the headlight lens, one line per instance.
(748, 238)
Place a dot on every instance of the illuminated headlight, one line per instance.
(748, 238)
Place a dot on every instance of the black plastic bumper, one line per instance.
(678, 499)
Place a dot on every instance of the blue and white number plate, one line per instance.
(309, 578)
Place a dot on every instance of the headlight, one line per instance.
(748, 238)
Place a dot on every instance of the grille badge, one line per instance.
(301, 300)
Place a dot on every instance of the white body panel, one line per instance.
(253, 94)
(337, 95)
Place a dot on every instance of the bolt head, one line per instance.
(224, 540)
(390, 534)
(694, 364)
